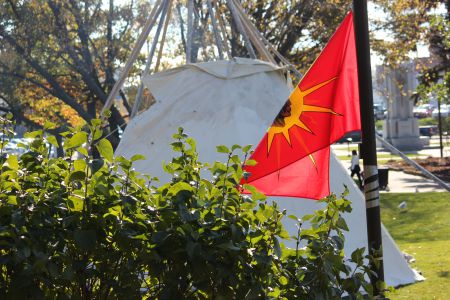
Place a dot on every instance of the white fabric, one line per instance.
(226, 103)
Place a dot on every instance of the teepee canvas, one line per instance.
(234, 102)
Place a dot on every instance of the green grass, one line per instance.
(422, 230)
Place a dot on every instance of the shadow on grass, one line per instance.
(444, 274)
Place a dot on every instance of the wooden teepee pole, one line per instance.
(241, 29)
(140, 91)
(215, 30)
(262, 50)
(224, 32)
(163, 38)
(190, 31)
(134, 54)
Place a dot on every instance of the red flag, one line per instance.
(293, 156)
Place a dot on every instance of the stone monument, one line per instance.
(400, 128)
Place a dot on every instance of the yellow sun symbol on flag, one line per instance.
(289, 115)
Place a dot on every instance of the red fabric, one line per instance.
(321, 109)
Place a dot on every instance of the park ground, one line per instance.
(422, 229)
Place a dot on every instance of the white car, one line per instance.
(445, 111)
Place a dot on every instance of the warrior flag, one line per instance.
(293, 157)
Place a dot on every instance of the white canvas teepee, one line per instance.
(234, 102)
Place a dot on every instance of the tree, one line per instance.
(69, 51)
(66, 50)
(410, 23)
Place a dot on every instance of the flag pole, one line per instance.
(368, 146)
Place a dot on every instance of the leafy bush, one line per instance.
(87, 228)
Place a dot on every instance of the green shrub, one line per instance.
(84, 228)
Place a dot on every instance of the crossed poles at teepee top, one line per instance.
(253, 40)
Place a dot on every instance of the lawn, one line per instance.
(422, 230)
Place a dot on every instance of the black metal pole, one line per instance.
(368, 146)
(441, 144)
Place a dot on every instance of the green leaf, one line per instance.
(107, 113)
(276, 247)
(22, 145)
(83, 151)
(137, 157)
(105, 149)
(96, 165)
(76, 140)
(102, 190)
(79, 165)
(284, 234)
(123, 162)
(52, 140)
(85, 239)
(229, 246)
(12, 163)
(247, 148)
(342, 224)
(283, 280)
(77, 176)
(12, 200)
(177, 146)
(97, 133)
(191, 142)
(222, 149)
(96, 122)
(49, 125)
(293, 217)
(179, 186)
(251, 162)
(75, 203)
(33, 134)
(358, 256)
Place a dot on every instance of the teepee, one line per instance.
(230, 102)
(233, 102)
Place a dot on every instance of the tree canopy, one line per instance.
(410, 24)
(64, 55)
(59, 59)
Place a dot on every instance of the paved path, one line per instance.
(400, 182)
